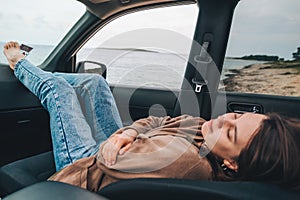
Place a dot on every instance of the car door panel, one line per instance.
(24, 123)
(24, 133)
(14, 94)
(135, 103)
(269, 103)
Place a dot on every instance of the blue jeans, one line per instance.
(82, 110)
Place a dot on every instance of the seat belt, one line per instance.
(202, 61)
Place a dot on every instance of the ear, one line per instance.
(231, 164)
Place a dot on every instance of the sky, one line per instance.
(269, 27)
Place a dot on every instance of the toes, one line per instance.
(15, 44)
(8, 45)
(11, 44)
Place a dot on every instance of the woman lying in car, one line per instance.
(92, 149)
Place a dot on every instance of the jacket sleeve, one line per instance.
(147, 124)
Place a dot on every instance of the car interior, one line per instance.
(26, 149)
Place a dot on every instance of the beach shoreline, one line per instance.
(275, 78)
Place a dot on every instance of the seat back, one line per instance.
(161, 189)
(25, 172)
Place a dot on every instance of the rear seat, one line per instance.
(25, 172)
(32, 170)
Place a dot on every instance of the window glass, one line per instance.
(144, 49)
(263, 50)
(39, 24)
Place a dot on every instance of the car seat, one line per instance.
(25, 172)
(31, 171)
(175, 189)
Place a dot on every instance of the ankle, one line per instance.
(15, 59)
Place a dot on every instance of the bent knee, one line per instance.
(98, 80)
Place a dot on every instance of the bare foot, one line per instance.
(12, 53)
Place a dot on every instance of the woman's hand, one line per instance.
(117, 144)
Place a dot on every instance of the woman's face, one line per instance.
(227, 135)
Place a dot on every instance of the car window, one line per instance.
(39, 24)
(263, 51)
(144, 49)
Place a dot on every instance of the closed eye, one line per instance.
(231, 134)
(230, 131)
(228, 134)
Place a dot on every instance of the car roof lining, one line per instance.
(106, 8)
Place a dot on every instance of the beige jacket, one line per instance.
(165, 148)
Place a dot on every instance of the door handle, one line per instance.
(244, 107)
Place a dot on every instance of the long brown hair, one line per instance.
(273, 154)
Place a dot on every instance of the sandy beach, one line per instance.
(276, 78)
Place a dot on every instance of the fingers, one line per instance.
(113, 146)
(107, 152)
(125, 149)
(110, 151)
